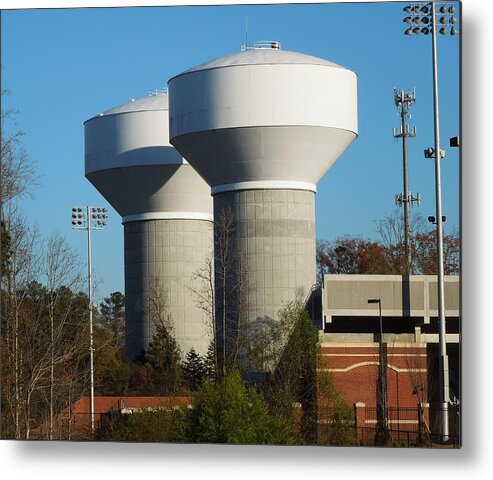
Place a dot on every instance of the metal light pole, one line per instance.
(382, 367)
(89, 218)
(403, 101)
(426, 14)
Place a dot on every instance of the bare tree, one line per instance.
(223, 231)
(164, 353)
(202, 289)
(220, 288)
(422, 383)
(23, 269)
(392, 237)
(232, 287)
(61, 269)
(423, 246)
(16, 168)
(238, 328)
(157, 305)
(42, 334)
(17, 179)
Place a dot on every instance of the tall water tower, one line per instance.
(262, 127)
(166, 211)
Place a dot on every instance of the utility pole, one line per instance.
(403, 100)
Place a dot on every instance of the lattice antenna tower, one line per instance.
(403, 100)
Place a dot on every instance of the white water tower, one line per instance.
(166, 211)
(262, 127)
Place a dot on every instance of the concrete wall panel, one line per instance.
(414, 295)
(157, 257)
(277, 245)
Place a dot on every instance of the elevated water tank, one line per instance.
(166, 211)
(262, 127)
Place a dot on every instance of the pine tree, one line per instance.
(210, 364)
(164, 358)
(231, 412)
(193, 369)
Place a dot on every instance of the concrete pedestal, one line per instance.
(161, 258)
(274, 235)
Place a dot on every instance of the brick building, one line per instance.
(349, 341)
(74, 423)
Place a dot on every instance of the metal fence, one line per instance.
(407, 427)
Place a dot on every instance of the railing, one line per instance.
(158, 91)
(400, 438)
(313, 307)
(262, 44)
(454, 416)
(407, 427)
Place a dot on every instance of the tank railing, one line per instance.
(261, 44)
(158, 91)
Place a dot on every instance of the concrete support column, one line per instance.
(274, 235)
(161, 258)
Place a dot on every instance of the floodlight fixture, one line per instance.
(427, 15)
(455, 141)
(432, 219)
(429, 152)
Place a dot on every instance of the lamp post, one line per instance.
(89, 218)
(423, 19)
(382, 367)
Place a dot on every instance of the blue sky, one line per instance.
(64, 66)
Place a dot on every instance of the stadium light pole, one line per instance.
(89, 218)
(423, 19)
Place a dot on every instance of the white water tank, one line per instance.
(166, 210)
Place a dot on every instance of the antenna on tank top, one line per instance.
(246, 31)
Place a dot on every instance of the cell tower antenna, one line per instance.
(403, 101)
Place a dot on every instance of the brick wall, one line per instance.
(354, 372)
